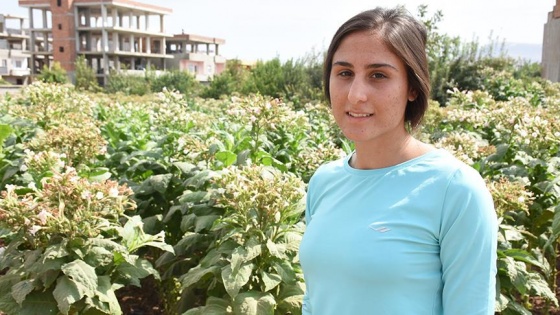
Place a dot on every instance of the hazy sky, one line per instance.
(264, 29)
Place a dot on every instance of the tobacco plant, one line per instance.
(66, 250)
(252, 267)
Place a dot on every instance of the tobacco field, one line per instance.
(100, 192)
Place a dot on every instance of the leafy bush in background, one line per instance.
(180, 81)
(128, 84)
(53, 74)
(85, 76)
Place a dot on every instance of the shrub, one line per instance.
(228, 82)
(66, 250)
(85, 76)
(253, 267)
(180, 81)
(128, 84)
(53, 74)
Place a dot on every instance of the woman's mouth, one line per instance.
(358, 115)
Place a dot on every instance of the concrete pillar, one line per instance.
(33, 48)
(45, 33)
(105, 38)
(551, 46)
(114, 17)
(147, 19)
(116, 42)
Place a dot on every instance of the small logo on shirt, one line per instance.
(379, 227)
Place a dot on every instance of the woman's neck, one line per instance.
(380, 155)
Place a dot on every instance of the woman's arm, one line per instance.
(468, 243)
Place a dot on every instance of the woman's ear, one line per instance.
(412, 95)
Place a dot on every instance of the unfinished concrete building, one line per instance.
(118, 35)
(14, 55)
(551, 45)
(196, 54)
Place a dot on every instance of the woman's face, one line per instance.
(369, 90)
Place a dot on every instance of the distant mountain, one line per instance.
(531, 52)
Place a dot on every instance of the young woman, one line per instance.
(397, 227)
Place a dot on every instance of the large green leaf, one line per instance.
(157, 183)
(501, 303)
(195, 311)
(288, 290)
(254, 303)
(42, 303)
(226, 157)
(106, 294)
(195, 274)
(214, 306)
(184, 167)
(49, 276)
(139, 269)
(291, 305)
(237, 258)
(21, 289)
(199, 179)
(205, 222)
(286, 271)
(83, 275)
(212, 258)
(522, 255)
(270, 280)
(253, 249)
(194, 197)
(276, 250)
(67, 292)
(233, 281)
(539, 287)
(107, 244)
(98, 256)
(134, 236)
(5, 132)
(7, 302)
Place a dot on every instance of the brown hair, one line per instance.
(406, 38)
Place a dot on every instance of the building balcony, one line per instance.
(15, 72)
(20, 72)
(198, 57)
(219, 59)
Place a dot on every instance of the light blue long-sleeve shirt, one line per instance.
(415, 238)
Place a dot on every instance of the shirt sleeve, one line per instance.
(306, 305)
(468, 245)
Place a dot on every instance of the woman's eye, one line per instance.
(345, 73)
(378, 76)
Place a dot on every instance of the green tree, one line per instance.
(230, 81)
(266, 78)
(181, 81)
(53, 74)
(128, 84)
(85, 76)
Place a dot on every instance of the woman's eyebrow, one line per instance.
(370, 66)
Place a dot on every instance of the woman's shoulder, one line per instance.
(459, 174)
(331, 168)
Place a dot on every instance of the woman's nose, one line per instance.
(357, 92)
